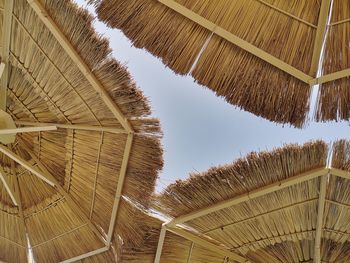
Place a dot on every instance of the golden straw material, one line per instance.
(278, 226)
(285, 30)
(89, 168)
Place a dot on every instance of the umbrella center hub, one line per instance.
(6, 123)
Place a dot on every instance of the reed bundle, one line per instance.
(276, 227)
(241, 78)
(46, 85)
(334, 96)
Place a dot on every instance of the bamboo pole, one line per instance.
(72, 126)
(236, 40)
(67, 46)
(5, 51)
(319, 223)
(8, 187)
(250, 195)
(320, 35)
(26, 165)
(27, 129)
(118, 193)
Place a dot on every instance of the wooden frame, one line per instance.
(28, 129)
(319, 222)
(67, 46)
(7, 22)
(253, 194)
(8, 187)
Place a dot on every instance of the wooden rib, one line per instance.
(190, 253)
(250, 195)
(332, 76)
(160, 243)
(5, 51)
(61, 235)
(8, 187)
(320, 35)
(319, 223)
(262, 214)
(340, 173)
(86, 255)
(287, 14)
(67, 46)
(54, 65)
(236, 40)
(118, 193)
(36, 85)
(340, 22)
(71, 163)
(206, 244)
(61, 190)
(26, 165)
(72, 126)
(273, 238)
(28, 129)
(20, 207)
(96, 175)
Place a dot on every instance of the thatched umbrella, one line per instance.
(78, 147)
(260, 55)
(287, 205)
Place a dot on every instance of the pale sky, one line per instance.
(200, 129)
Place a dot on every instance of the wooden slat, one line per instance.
(206, 244)
(340, 173)
(8, 187)
(2, 68)
(160, 244)
(250, 195)
(319, 222)
(86, 255)
(118, 194)
(236, 40)
(72, 126)
(5, 51)
(73, 54)
(26, 165)
(320, 35)
(61, 190)
(28, 129)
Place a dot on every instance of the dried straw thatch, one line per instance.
(47, 85)
(281, 225)
(260, 55)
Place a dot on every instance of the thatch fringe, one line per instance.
(239, 77)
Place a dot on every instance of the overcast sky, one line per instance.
(200, 129)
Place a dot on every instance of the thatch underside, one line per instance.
(46, 85)
(276, 227)
(287, 30)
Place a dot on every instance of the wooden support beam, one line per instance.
(26, 165)
(320, 35)
(118, 193)
(28, 129)
(319, 223)
(5, 51)
(83, 67)
(217, 30)
(340, 173)
(86, 255)
(2, 68)
(160, 243)
(8, 187)
(61, 190)
(72, 126)
(250, 195)
(206, 244)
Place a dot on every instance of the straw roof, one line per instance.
(287, 205)
(260, 55)
(67, 189)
